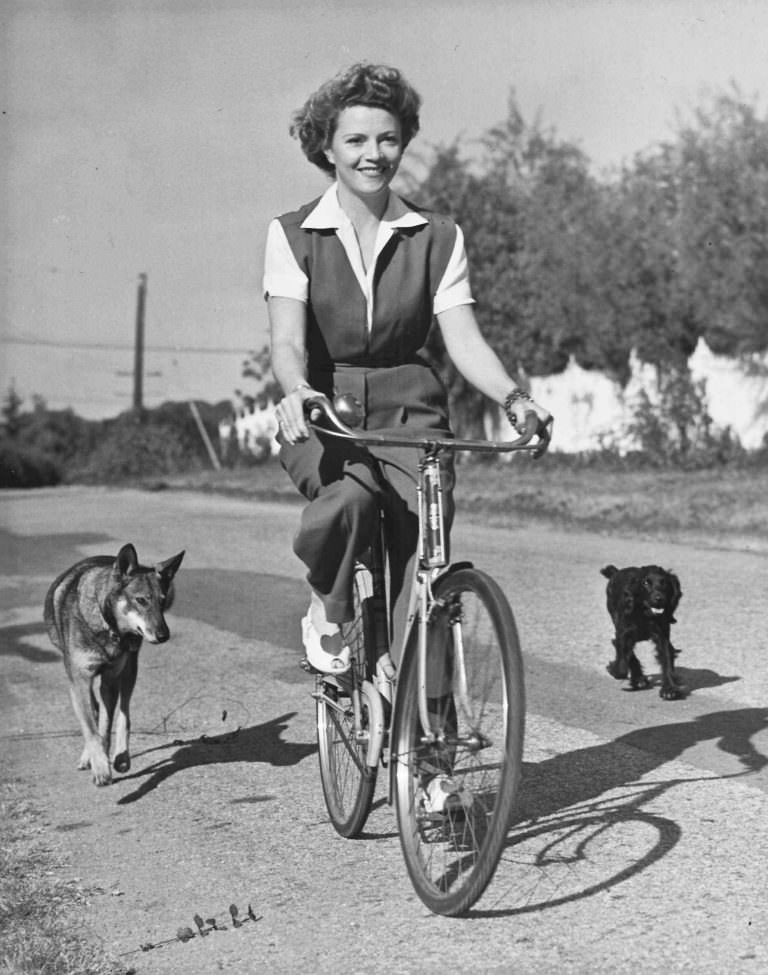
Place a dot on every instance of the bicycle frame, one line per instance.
(432, 560)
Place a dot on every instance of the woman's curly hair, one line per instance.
(372, 85)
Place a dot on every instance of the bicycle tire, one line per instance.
(348, 783)
(452, 853)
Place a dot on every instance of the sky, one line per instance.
(151, 136)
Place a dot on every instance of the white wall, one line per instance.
(591, 410)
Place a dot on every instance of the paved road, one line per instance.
(641, 839)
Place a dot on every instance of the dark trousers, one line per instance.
(346, 491)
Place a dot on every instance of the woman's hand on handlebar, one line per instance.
(518, 413)
(291, 415)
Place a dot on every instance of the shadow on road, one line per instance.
(573, 836)
(695, 679)
(19, 641)
(691, 679)
(48, 555)
(260, 743)
(251, 604)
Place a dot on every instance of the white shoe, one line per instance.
(441, 794)
(322, 641)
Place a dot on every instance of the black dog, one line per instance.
(641, 602)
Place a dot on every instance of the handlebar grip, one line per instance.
(544, 433)
(344, 414)
(315, 407)
(530, 425)
(534, 427)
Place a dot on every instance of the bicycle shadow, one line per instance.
(565, 804)
(261, 743)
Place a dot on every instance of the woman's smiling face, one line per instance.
(366, 149)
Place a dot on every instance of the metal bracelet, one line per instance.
(516, 396)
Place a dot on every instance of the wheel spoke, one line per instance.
(348, 783)
(454, 794)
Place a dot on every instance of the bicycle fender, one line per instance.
(376, 723)
(455, 566)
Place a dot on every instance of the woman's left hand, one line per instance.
(516, 413)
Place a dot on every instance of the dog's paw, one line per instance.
(617, 672)
(102, 776)
(672, 692)
(641, 683)
(101, 772)
(122, 762)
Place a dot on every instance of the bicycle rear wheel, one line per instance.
(348, 783)
(455, 794)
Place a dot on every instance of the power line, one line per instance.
(124, 346)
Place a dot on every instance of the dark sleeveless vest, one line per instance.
(398, 386)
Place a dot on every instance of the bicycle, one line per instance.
(449, 725)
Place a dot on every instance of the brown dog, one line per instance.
(641, 602)
(97, 613)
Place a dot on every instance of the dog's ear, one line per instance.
(126, 560)
(167, 570)
(609, 571)
(676, 591)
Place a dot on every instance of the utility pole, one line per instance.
(138, 359)
(138, 352)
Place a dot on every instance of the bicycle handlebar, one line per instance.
(319, 408)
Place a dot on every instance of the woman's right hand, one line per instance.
(290, 413)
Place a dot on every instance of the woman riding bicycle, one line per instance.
(353, 281)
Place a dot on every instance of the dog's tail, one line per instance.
(609, 571)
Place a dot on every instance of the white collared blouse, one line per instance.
(283, 278)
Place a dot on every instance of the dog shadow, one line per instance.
(690, 679)
(262, 743)
(566, 801)
(21, 641)
(696, 679)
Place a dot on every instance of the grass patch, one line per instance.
(713, 504)
(42, 929)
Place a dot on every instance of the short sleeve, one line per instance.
(454, 288)
(283, 278)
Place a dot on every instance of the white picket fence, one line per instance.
(250, 430)
(592, 410)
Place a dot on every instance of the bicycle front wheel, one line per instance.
(455, 788)
(343, 725)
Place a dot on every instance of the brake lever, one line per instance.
(544, 433)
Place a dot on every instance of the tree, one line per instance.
(258, 366)
(656, 314)
(527, 205)
(722, 172)
(11, 412)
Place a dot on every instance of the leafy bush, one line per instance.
(163, 441)
(26, 468)
(42, 447)
(677, 430)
